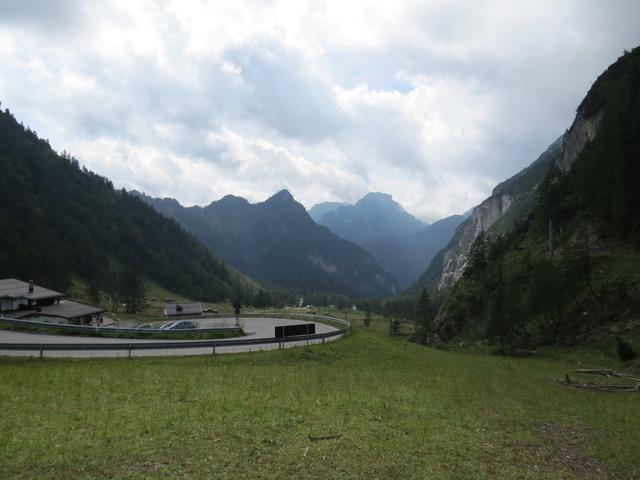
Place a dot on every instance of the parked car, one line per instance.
(180, 325)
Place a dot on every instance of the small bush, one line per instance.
(367, 318)
(394, 326)
(625, 350)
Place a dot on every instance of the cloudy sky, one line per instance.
(433, 102)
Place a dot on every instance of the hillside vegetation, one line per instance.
(278, 243)
(510, 202)
(569, 272)
(58, 221)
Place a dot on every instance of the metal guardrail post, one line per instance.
(41, 351)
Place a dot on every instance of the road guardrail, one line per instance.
(178, 344)
(95, 329)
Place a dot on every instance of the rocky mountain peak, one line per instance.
(282, 195)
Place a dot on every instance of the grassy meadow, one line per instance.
(392, 409)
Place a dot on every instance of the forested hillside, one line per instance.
(570, 271)
(278, 243)
(58, 220)
(510, 202)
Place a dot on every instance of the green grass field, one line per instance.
(401, 411)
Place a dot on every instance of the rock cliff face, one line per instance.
(482, 218)
(582, 131)
(563, 153)
(510, 201)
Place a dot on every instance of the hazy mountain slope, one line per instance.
(374, 215)
(58, 220)
(317, 211)
(510, 201)
(277, 242)
(407, 256)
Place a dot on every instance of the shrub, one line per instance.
(625, 350)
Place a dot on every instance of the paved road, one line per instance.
(254, 327)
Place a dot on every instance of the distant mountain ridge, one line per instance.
(320, 209)
(277, 242)
(374, 215)
(407, 256)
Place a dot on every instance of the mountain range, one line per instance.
(407, 256)
(374, 215)
(401, 243)
(278, 243)
(551, 254)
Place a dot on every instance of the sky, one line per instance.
(433, 102)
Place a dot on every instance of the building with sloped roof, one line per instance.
(26, 300)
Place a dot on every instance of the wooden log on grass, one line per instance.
(632, 383)
(316, 438)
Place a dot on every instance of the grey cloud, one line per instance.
(284, 94)
(533, 78)
(275, 94)
(538, 74)
(53, 15)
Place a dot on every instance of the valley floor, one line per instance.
(392, 409)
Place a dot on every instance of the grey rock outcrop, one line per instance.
(510, 201)
(484, 216)
(481, 219)
(582, 131)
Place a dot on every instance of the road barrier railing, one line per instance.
(95, 329)
(179, 344)
(324, 318)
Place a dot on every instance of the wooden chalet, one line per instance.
(25, 300)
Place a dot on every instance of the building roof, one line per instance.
(65, 309)
(69, 309)
(12, 288)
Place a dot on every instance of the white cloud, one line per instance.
(434, 102)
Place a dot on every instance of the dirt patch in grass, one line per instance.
(569, 447)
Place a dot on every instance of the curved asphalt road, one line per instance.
(255, 328)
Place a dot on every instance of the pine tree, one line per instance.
(424, 315)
